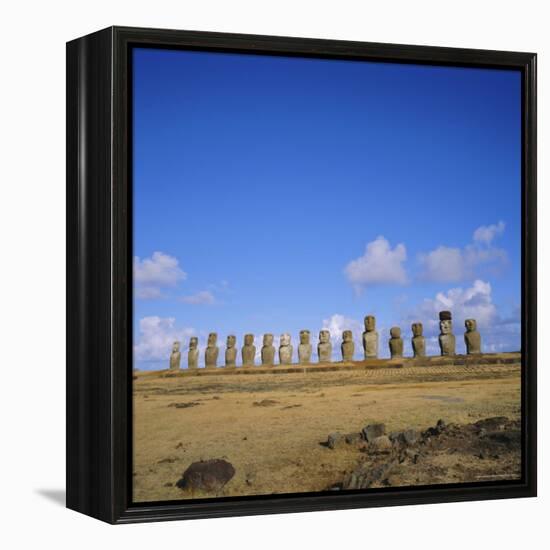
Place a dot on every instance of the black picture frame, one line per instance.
(99, 221)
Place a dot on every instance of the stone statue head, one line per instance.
(248, 339)
(445, 322)
(285, 339)
(193, 342)
(175, 347)
(370, 323)
(324, 337)
(268, 339)
(231, 341)
(212, 339)
(417, 329)
(395, 332)
(347, 336)
(304, 337)
(446, 327)
(471, 325)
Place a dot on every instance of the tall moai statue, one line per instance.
(396, 343)
(285, 350)
(193, 353)
(418, 340)
(472, 338)
(370, 338)
(231, 351)
(248, 351)
(268, 350)
(175, 357)
(348, 346)
(324, 347)
(447, 342)
(212, 351)
(304, 348)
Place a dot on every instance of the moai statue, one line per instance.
(175, 357)
(248, 350)
(324, 347)
(370, 338)
(193, 353)
(304, 349)
(348, 346)
(231, 351)
(212, 351)
(285, 350)
(472, 337)
(446, 336)
(396, 343)
(418, 340)
(268, 350)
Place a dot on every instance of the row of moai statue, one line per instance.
(447, 345)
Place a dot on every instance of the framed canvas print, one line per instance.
(301, 274)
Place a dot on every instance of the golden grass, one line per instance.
(275, 447)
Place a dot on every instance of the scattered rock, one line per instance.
(265, 403)
(493, 424)
(381, 444)
(168, 484)
(372, 431)
(167, 461)
(184, 405)
(353, 438)
(334, 440)
(410, 436)
(406, 437)
(207, 475)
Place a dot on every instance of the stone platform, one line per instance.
(480, 360)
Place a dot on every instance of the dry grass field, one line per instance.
(271, 428)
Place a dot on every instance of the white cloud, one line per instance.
(201, 297)
(379, 265)
(486, 233)
(156, 336)
(152, 274)
(452, 265)
(443, 264)
(147, 292)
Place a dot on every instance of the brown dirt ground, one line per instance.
(270, 427)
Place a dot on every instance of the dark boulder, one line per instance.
(207, 475)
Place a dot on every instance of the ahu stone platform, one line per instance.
(477, 360)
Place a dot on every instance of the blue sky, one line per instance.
(273, 194)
